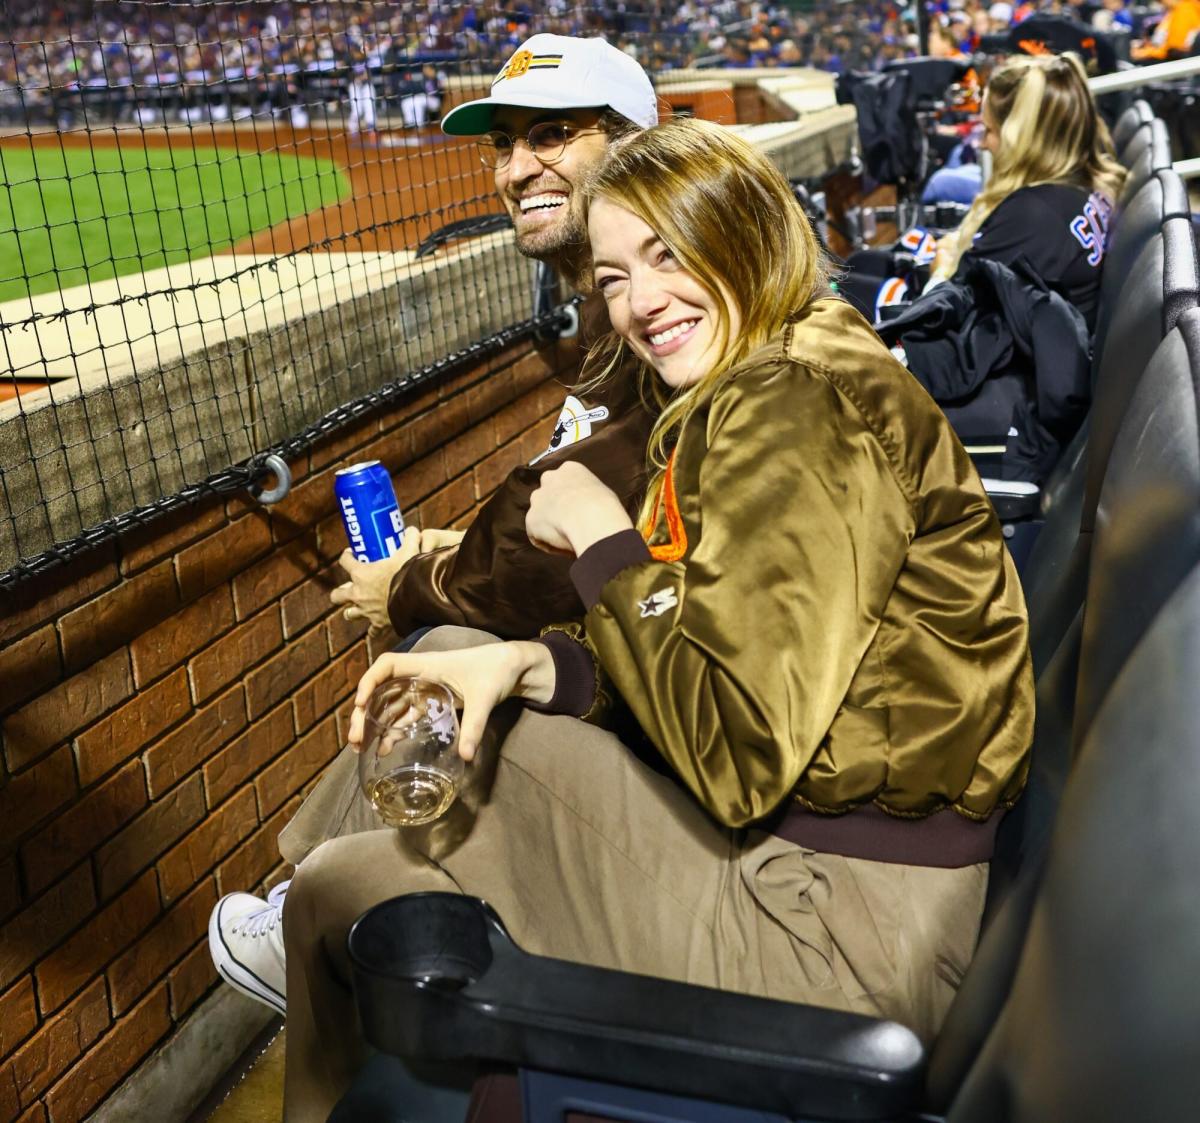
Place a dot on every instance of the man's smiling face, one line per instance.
(545, 201)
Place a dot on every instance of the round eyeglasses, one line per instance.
(547, 141)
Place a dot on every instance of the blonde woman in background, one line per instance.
(817, 629)
(1054, 181)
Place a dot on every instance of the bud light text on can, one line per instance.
(367, 502)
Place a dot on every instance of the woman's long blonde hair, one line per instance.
(1050, 132)
(729, 217)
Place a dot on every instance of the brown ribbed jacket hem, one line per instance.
(574, 666)
(574, 677)
(943, 840)
(603, 560)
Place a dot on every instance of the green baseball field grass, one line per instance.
(68, 215)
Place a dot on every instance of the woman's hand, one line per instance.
(480, 678)
(571, 509)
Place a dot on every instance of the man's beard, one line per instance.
(565, 239)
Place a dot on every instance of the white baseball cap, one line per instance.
(561, 72)
(1001, 12)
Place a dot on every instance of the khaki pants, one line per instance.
(589, 855)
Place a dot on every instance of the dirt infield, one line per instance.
(406, 183)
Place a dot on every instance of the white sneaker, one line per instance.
(245, 939)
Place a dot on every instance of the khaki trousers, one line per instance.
(589, 855)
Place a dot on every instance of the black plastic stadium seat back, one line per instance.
(1015, 874)
(1181, 270)
(1133, 225)
(1148, 519)
(1141, 139)
(1135, 331)
(1154, 155)
(1100, 1026)
(1127, 348)
(1138, 115)
(1057, 571)
(1055, 576)
(1164, 195)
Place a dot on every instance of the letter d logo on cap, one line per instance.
(517, 65)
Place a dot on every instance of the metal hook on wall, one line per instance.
(283, 479)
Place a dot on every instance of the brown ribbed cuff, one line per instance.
(603, 560)
(574, 677)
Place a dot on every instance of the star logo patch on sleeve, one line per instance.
(658, 603)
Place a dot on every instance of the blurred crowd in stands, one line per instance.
(52, 52)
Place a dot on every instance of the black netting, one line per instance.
(227, 227)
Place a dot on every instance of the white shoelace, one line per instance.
(264, 920)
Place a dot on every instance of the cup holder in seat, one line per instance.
(433, 940)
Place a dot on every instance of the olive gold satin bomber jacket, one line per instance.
(826, 610)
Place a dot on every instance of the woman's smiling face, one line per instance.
(669, 319)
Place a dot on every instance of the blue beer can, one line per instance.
(367, 501)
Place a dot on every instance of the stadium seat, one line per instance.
(1147, 518)
(1161, 284)
(1153, 154)
(1181, 281)
(1012, 885)
(1163, 195)
(1137, 116)
(1143, 548)
(1100, 1025)
(1144, 301)
(1129, 152)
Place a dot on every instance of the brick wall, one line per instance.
(166, 702)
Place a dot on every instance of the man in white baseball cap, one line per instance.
(553, 109)
(561, 72)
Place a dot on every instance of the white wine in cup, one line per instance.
(409, 767)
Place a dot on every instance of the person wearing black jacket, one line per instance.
(1060, 230)
(1053, 184)
(1004, 348)
(1005, 357)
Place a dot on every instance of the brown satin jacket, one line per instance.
(494, 578)
(830, 619)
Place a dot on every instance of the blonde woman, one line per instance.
(1054, 180)
(817, 629)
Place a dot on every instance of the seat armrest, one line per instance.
(437, 976)
(1013, 499)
